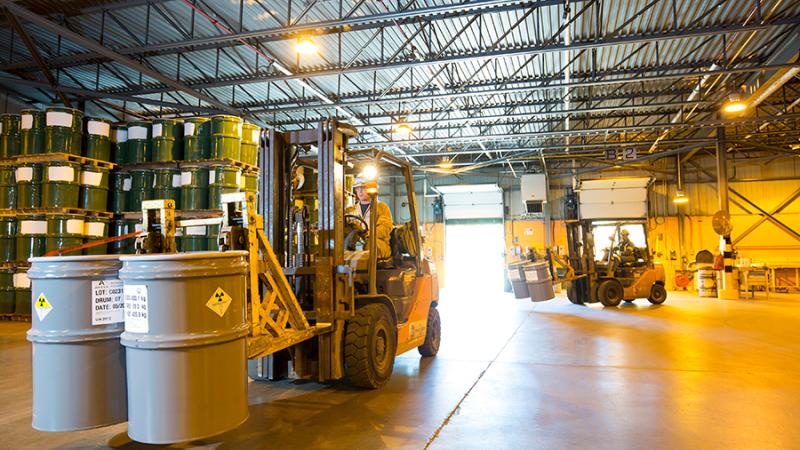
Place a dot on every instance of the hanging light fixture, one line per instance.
(446, 164)
(306, 46)
(735, 104)
(679, 198)
(402, 128)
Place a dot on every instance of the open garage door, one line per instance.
(614, 198)
(474, 242)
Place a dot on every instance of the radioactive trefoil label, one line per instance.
(136, 308)
(42, 307)
(219, 302)
(108, 305)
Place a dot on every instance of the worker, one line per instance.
(383, 223)
(626, 249)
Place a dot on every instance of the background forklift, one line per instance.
(333, 312)
(609, 277)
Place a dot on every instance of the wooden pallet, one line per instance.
(46, 157)
(15, 317)
(182, 214)
(198, 163)
(45, 211)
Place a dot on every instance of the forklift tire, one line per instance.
(610, 292)
(657, 294)
(572, 295)
(433, 334)
(369, 346)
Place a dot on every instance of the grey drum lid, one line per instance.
(78, 362)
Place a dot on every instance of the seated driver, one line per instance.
(383, 224)
(626, 249)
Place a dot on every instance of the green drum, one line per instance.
(8, 188)
(119, 143)
(120, 227)
(9, 135)
(139, 135)
(22, 292)
(213, 234)
(223, 180)
(167, 137)
(251, 136)
(197, 138)
(31, 132)
(168, 185)
(61, 184)
(121, 183)
(8, 238)
(63, 131)
(29, 185)
(249, 182)
(195, 239)
(94, 188)
(7, 293)
(194, 188)
(98, 139)
(31, 236)
(226, 137)
(64, 230)
(142, 181)
(95, 229)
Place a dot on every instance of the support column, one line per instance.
(728, 280)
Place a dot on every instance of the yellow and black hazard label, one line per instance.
(42, 307)
(219, 302)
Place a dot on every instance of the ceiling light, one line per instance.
(370, 172)
(734, 104)
(403, 129)
(446, 164)
(680, 198)
(306, 46)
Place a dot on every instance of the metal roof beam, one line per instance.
(124, 60)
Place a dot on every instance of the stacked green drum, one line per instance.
(95, 229)
(8, 238)
(31, 236)
(61, 181)
(194, 239)
(194, 188)
(167, 137)
(7, 294)
(168, 185)
(139, 136)
(121, 183)
(120, 227)
(142, 181)
(119, 143)
(9, 135)
(63, 131)
(226, 137)
(213, 235)
(29, 185)
(64, 230)
(98, 139)
(94, 188)
(22, 291)
(251, 135)
(249, 182)
(222, 180)
(32, 132)
(8, 188)
(197, 138)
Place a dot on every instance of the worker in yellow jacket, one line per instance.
(383, 225)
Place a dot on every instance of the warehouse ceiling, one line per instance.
(475, 85)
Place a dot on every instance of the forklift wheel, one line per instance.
(433, 334)
(610, 292)
(572, 295)
(657, 294)
(369, 346)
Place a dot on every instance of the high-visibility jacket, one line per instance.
(383, 226)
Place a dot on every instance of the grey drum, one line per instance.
(185, 330)
(540, 284)
(78, 362)
(516, 274)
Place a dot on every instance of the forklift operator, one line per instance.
(384, 224)
(626, 249)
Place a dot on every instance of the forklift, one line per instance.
(614, 274)
(318, 295)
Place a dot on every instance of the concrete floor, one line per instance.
(511, 374)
